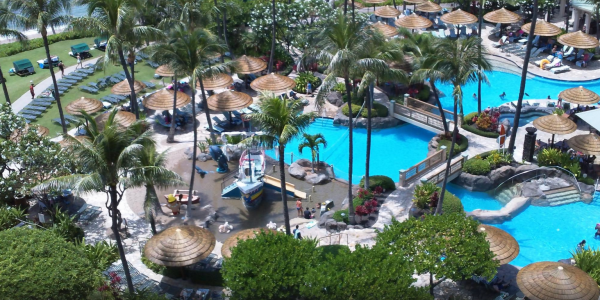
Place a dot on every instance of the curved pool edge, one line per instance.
(541, 75)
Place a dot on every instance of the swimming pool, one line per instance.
(536, 88)
(392, 149)
(524, 120)
(543, 233)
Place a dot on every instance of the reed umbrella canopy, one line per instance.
(219, 81)
(356, 4)
(542, 28)
(243, 235)
(249, 65)
(374, 1)
(414, 1)
(387, 12)
(579, 95)
(428, 7)
(588, 144)
(164, 71)
(503, 16)
(122, 118)
(502, 244)
(413, 21)
(273, 82)
(458, 17)
(579, 39)
(122, 88)
(163, 100)
(556, 281)
(229, 101)
(180, 246)
(555, 124)
(88, 105)
(386, 30)
(16, 135)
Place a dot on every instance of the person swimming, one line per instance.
(503, 95)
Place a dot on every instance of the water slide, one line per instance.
(275, 183)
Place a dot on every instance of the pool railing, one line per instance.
(422, 167)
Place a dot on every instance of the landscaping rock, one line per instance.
(506, 213)
(498, 176)
(188, 153)
(531, 189)
(335, 98)
(358, 227)
(296, 171)
(523, 168)
(325, 217)
(349, 227)
(331, 225)
(341, 226)
(318, 178)
(376, 123)
(477, 183)
(506, 124)
(304, 163)
(203, 157)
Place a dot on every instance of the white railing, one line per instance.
(439, 175)
(422, 167)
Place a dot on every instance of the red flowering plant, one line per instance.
(378, 190)
(361, 210)
(113, 286)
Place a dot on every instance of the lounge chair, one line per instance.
(556, 62)
(119, 97)
(114, 80)
(80, 74)
(28, 118)
(41, 103)
(568, 52)
(69, 81)
(94, 85)
(65, 86)
(220, 122)
(560, 69)
(578, 56)
(30, 112)
(503, 41)
(152, 64)
(149, 84)
(35, 107)
(537, 52)
(215, 127)
(234, 120)
(57, 120)
(453, 33)
(497, 29)
(119, 76)
(583, 63)
(88, 89)
(71, 118)
(463, 32)
(536, 40)
(87, 70)
(74, 77)
(109, 99)
(160, 120)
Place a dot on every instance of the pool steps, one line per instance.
(555, 197)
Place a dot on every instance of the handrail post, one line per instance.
(459, 121)
(406, 99)
(443, 152)
(391, 110)
(402, 177)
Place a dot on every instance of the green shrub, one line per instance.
(341, 216)
(424, 93)
(101, 255)
(340, 87)
(10, 216)
(355, 100)
(379, 180)
(468, 118)
(497, 159)
(476, 167)
(588, 260)
(16, 47)
(452, 204)
(65, 226)
(379, 110)
(488, 134)
(422, 194)
(550, 157)
(460, 146)
(334, 250)
(303, 79)
(587, 180)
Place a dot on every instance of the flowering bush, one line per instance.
(487, 121)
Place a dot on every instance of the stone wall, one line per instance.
(376, 123)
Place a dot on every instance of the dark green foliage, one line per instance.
(461, 145)
(340, 87)
(333, 250)
(10, 216)
(213, 278)
(303, 79)
(379, 180)
(39, 264)
(270, 266)
(452, 204)
(101, 255)
(16, 47)
(341, 215)
(424, 93)
(554, 157)
(65, 226)
(468, 118)
(422, 194)
(378, 110)
(587, 180)
(488, 134)
(588, 260)
(476, 167)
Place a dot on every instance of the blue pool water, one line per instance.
(537, 88)
(392, 149)
(543, 233)
(523, 120)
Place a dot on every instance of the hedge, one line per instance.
(458, 147)
(379, 110)
(488, 134)
(468, 117)
(476, 167)
(337, 216)
(16, 47)
(452, 204)
(379, 180)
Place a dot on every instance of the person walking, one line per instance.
(309, 88)
(61, 67)
(79, 63)
(31, 90)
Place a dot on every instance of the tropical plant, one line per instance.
(302, 81)
(8, 33)
(379, 181)
(281, 121)
(107, 156)
(39, 14)
(461, 63)
(65, 226)
(312, 142)
(10, 216)
(497, 159)
(116, 19)
(588, 260)
(101, 254)
(476, 166)
(422, 194)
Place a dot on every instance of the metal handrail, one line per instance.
(537, 170)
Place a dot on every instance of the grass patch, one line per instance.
(488, 134)
(461, 145)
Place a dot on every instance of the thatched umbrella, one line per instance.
(163, 100)
(413, 21)
(588, 144)
(87, 105)
(578, 39)
(16, 135)
(65, 143)
(229, 101)
(502, 16)
(458, 17)
(579, 95)
(249, 65)
(414, 2)
(219, 81)
(386, 30)
(428, 7)
(122, 118)
(246, 234)
(374, 2)
(556, 281)
(542, 28)
(387, 12)
(180, 246)
(555, 124)
(357, 5)
(273, 82)
(165, 71)
(502, 244)
(122, 88)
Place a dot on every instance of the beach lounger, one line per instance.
(556, 62)
(149, 84)
(65, 86)
(109, 99)
(28, 118)
(30, 112)
(234, 119)
(580, 63)
(504, 40)
(220, 122)
(578, 56)
(74, 77)
(94, 85)
(69, 81)
(41, 103)
(537, 52)
(120, 97)
(560, 69)
(88, 89)
(80, 73)
(57, 120)
(35, 107)
(115, 80)
(453, 33)
(463, 32)
(216, 128)
(152, 64)
(496, 29)
(119, 77)
(71, 118)
(87, 70)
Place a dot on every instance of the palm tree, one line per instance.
(39, 14)
(106, 157)
(187, 52)
(460, 61)
(281, 121)
(116, 19)
(5, 32)
(151, 173)
(312, 142)
(513, 135)
(344, 46)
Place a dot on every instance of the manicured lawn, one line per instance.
(17, 86)
(143, 72)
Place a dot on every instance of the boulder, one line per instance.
(203, 157)
(335, 98)
(506, 213)
(318, 178)
(523, 168)
(477, 183)
(303, 162)
(358, 227)
(532, 190)
(331, 225)
(324, 218)
(234, 152)
(341, 226)
(188, 153)
(349, 226)
(498, 176)
(296, 171)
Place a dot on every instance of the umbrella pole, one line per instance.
(230, 119)
(182, 273)
(552, 140)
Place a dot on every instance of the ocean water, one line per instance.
(76, 11)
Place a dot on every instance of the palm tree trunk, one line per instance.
(272, 41)
(368, 164)
(394, 2)
(205, 106)
(439, 104)
(171, 136)
(286, 214)
(220, 37)
(353, 11)
(56, 94)
(188, 210)
(115, 230)
(479, 66)
(148, 210)
(225, 35)
(350, 156)
(133, 99)
(3, 81)
(438, 210)
(515, 127)
(345, 7)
